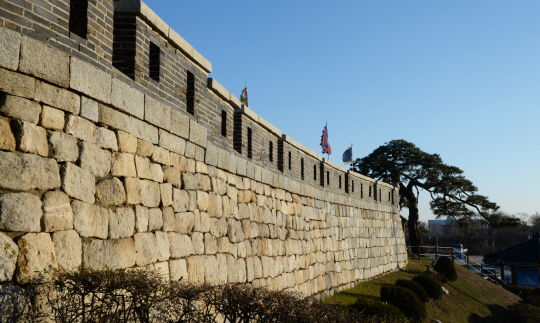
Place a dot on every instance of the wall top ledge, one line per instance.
(139, 8)
(306, 150)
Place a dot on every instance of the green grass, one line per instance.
(471, 298)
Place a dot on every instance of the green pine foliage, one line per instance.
(406, 300)
(446, 267)
(430, 285)
(415, 287)
(368, 306)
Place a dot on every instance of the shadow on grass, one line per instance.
(498, 314)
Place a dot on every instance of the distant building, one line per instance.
(437, 227)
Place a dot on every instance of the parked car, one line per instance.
(493, 275)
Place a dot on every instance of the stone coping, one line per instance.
(141, 9)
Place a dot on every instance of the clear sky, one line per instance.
(457, 78)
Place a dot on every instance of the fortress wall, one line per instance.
(103, 168)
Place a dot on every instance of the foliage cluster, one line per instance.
(437, 276)
(522, 291)
(406, 300)
(533, 300)
(143, 296)
(446, 267)
(372, 307)
(525, 313)
(430, 285)
(414, 287)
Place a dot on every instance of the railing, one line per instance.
(454, 253)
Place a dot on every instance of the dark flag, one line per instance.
(347, 156)
(244, 96)
(326, 149)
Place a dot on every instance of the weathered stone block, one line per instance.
(143, 130)
(44, 62)
(173, 176)
(62, 147)
(178, 162)
(78, 183)
(8, 258)
(156, 173)
(172, 142)
(113, 118)
(37, 259)
(178, 270)
(141, 218)
(113, 254)
(19, 108)
(166, 194)
(89, 109)
(52, 118)
(195, 269)
(161, 156)
(123, 164)
(210, 244)
(150, 193)
(90, 80)
(157, 113)
(57, 212)
(133, 190)
(197, 239)
(10, 42)
(106, 139)
(145, 248)
(7, 140)
(155, 219)
(94, 159)
(20, 212)
(68, 249)
(162, 246)
(17, 84)
(90, 220)
(81, 128)
(121, 223)
(190, 150)
(127, 99)
(180, 200)
(144, 148)
(192, 182)
(110, 192)
(215, 208)
(180, 245)
(30, 138)
(58, 97)
(22, 172)
(126, 142)
(179, 124)
(202, 201)
(198, 134)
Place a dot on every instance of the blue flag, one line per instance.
(347, 156)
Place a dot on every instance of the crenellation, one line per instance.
(126, 154)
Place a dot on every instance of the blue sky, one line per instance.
(456, 78)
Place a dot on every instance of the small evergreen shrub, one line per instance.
(406, 301)
(437, 276)
(371, 307)
(525, 313)
(533, 300)
(520, 290)
(415, 287)
(430, 285)
(446, 267)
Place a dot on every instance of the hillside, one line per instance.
(471, 298)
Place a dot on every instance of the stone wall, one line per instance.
(104, 168)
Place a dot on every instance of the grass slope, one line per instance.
(471, 298)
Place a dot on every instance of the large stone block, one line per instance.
(68, 249)
(157, 113)
(57, 212)
(180, 245)
(211, 157)
(44, 62)
(126, 142)
(81, 128)
(37, 259)
(127, 99)
(179, 222)
(58, 97)
(179, 124)
(30, 138)
(144, 148)
(90, 220)
(113, 254)
(192, 182)
(211, 270)
(172, 142)
(215, 208)
(110, 192)
(155, 219)
(52, 118)
(198, 133)
(94, 159)
(202, 201)
(180, 200)
(20, 212)
(123, 164)
(172, 175)
(166, 194)
(133, 190)
(195, 269)
(151, 195)
(16, 84)
(78, 183)
(89, 109)
(19, 108)
(141, 218)
(161, 156)
(22, 172)
(145, 248)
(178, 270)
(90, 80)
(143, 130)
(210, 244)
(8, 258)
(7, 140)
(121, 223)
(106, 139)
(10, 44)
(163, 246)
(62, 147)
(113, 118)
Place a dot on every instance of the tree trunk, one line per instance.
(412, 205)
